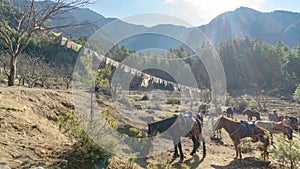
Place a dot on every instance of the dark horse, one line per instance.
(294, 122)
(238, 130)
(251, 113)
(229, 112)
(184, 124)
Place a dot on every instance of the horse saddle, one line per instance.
(186, 121)
(278, 124)
(249, 128)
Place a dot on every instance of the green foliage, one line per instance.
(184, 166)
(287, 154)
(253, 105)
(130, 163)
(86, 149)
(297, 94)
(163, 162)
(173, 100)
(110, 120)
(241, 104)
(130, 131)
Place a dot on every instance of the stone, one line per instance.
(3, 165)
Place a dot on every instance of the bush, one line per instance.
(86, 148)
(173, 100)
(130, 131)
(297, 94)
(241, 104)
(287, 154)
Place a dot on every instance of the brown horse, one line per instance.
(273, 116)
(251, 113)
(276, 127)
(238, 130)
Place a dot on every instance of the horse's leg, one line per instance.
(195, 145)
(181, 152)
(204, 148)
(175, 155)
(271, 135)
(240, 151)
(236, 150)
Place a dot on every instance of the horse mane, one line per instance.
(230, 119)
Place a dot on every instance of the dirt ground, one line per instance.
(30, 136)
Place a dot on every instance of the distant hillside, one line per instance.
(270, 27)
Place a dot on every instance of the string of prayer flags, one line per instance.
(76, 47)
(69, 44)
(145, 77)
(56, 34)
(145, 82)
(42, 29)
(63, 41)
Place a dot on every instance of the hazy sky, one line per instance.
(195, 12)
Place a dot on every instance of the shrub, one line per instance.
(130, 131)
(287, 154)
(173, 100)
(253, 105)
(241, 104)
(87, 149)
(297, 94)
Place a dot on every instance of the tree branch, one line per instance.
(5, 71)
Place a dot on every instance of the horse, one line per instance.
(203, 108)
(294, 122)
(229, 112)
(251, 113)
(182, 125)
(238, 130)
(276, 127)
(273, 116)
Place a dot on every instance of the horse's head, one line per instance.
(288, 131)
(245, 111)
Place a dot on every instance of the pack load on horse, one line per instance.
(182, 125)
(238, 130)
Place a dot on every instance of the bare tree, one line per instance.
(66, 72)
(32, 69)
(18, 24)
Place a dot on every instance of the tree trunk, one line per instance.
(12, 73)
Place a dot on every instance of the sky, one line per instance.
(193, 12)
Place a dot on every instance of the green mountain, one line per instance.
(270, 27)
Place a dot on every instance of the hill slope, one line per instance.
(270, 27)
